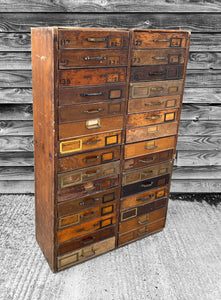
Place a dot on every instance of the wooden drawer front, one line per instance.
(93, 38)
(145, 197)
(87, 188)
(86, 240)
(152, 146)
(158, 57)
(160, 39)
(156, 103)
(92, 58)
(144, 173)
(88, 94)
(162, 72)
(142, 220)
(85, 228)
(90, 111)
(76, 205)
(141, 210)
(151, 132)
(90, 142)
(154, 117)
(86, 253)
(86, 215)
(141, 232)
(153, 89)
(91, 126)
(87, 159)
(87, 174)
(146, 160)
(91, 76)
(144, 185)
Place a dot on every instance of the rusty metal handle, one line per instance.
(147, 185)
(156, 103)
(92, 254)
(159, 57)
(91, 228)
(90, 189)
(145, 199)
(147, 161)
(95, 58)
(142, 233)
(89, 216)
(90, 39)
(88, 241)
(160, 40)
(91, 159)
(91, 94)
(153, 117)
(93, 111)
(157, 74)
(89, 203)
(88, 175)
(142, 223)
(92, 143)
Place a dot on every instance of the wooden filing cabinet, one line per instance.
(107, 107)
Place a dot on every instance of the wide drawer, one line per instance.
(93, 38)
(88, 159)
(92, 58)
(144, 185)
(86, 240)
(149, 159)
(90, 142)
(147, 172)
(141, 232)
(91, 76)
(151, 146)
(87, 174)
(144, 197)
(156, 103)
(83, 254)
(154, 89)
(90, 110)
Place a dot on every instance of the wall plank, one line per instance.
(16, 186)
(198, 158)
(16, 128)
(16, 143)
(16, 159)
(200, 112)
(189, 143)
(15, 60)
(16, 112)
(15, 95)
(16, 173)
(196, 186)
(198, 172)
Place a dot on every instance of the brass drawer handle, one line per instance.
(153, 117)
(91, 94)
(91, 159)
(95, 58)
(159, 57)
(89, 255)
(145, 222)
(95, 39)
(147, 185)
(157, 89)
(88, 241)
(161, 40)
(91, 228)
(147, 161)
(93, 124)
(89, 216)
(147, 173)
(151, 147)
(156, 103)
(93, 111)
(89, 203)
(142, 233)
(145, 199)
(88, 175)
(157, 74)
(92, 143)
(90, 188)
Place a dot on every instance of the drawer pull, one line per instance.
(153, 104)
(95, 39)
(153, 117)
(147, 173)
(147, 185)
(91, 228)
(145, 199)
(91, 159)
(145, 222)
(95, 58)
(88, 175)
(89, 203)
(142, 233)
(157, 74)
(92, 142)
(88, 241)
(93, 111)
(93, 124)
(147, 161)
(159, 57)
(89, 216)
(157, 89)
(161, 40)
(91, 94)
(90, 188)
(89, 255)
(151, 147)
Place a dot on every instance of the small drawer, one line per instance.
(95, 157)
(92, 58)
(69, 78)
(144, 197)
(85, 253)
(154, 89)
(158, 57)
(92, 94)
(144, 185)
(93, 38)
(85, 228)
(90, 142)
(86, 240)
(147, 147)
(156, 103)
(90, 126)
(155, 72)
(142, 220)
(141, 232)
(145, 160)
(87, 188)
(90, 111)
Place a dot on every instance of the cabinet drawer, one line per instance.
(145, 160)
(93, 38)
(95, 93)
(91, 126)
(145, 197)
(141, 232)
(91, 76)
(85, 228)
(157, 88)
(90, 142)
(87, 188)
(88, 159)
(151, 132)
(152, 146)
(94, 200)
(152, 73)
(156, 103)
(142, 220)
(90, 110)
(86, 240)
(87, 174)
(92, 58)
(83, 254)
(158, 57)
(144, 185)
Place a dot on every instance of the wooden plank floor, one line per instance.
(181, 262)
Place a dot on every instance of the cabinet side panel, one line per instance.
(44, 138)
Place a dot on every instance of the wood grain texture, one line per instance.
(201, 112)
(198, 158)
(15, 95)
(192, 142)
(15, 60)
(17, 173)
(16, 112)
(200, 128)
(16, 143)
(16, 127)
(16, 159)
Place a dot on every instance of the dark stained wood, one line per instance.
(13, 159)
